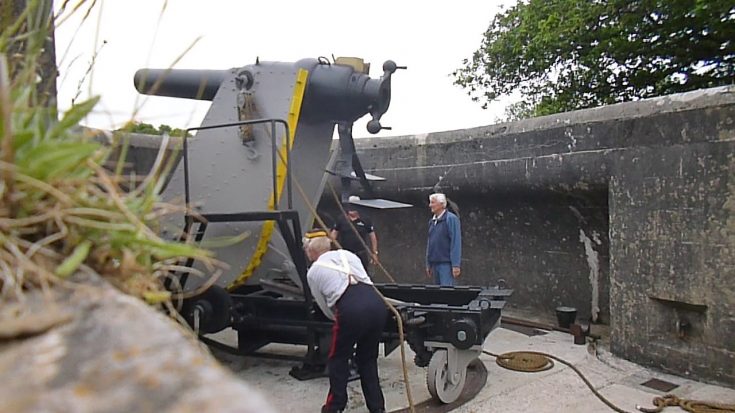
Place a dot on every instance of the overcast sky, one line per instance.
(430, 37)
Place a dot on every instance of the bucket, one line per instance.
(566, 316)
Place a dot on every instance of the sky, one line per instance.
(122, 36)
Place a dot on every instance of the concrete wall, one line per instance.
(672, 221)
(533, 242)
(629, 208)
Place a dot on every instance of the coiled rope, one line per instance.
(693, 406)
(534, 361)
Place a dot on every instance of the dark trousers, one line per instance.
(360, 318)
(364, 257)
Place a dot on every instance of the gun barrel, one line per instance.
(179, 83)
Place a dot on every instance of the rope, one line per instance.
(534, 361)
(692, 406)
(536, 354)
(524, 361)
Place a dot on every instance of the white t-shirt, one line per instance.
(330, 275)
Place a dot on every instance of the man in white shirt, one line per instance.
(344, 292)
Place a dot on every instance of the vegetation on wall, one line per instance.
(148, 129)
(564, 55)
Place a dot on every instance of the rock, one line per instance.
(94, 349)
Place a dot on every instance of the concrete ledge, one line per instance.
(698, 99)
(101, 351)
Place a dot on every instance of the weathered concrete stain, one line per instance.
(594, 264)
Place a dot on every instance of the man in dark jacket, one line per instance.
(356, 234)
(444, 246)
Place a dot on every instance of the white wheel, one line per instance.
(438, 380)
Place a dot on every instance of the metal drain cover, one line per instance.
(660, 385)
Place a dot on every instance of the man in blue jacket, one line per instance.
(444, 247)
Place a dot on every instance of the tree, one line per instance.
(571, 54)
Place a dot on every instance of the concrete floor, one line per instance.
(555, 390)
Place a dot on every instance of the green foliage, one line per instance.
(147, 128)
(571, 54)
(60, 210)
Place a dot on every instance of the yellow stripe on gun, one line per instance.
(267, 230)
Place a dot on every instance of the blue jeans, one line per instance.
(442, 273)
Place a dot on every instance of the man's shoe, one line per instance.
(326, 410)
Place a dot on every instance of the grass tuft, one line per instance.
(61, 211)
